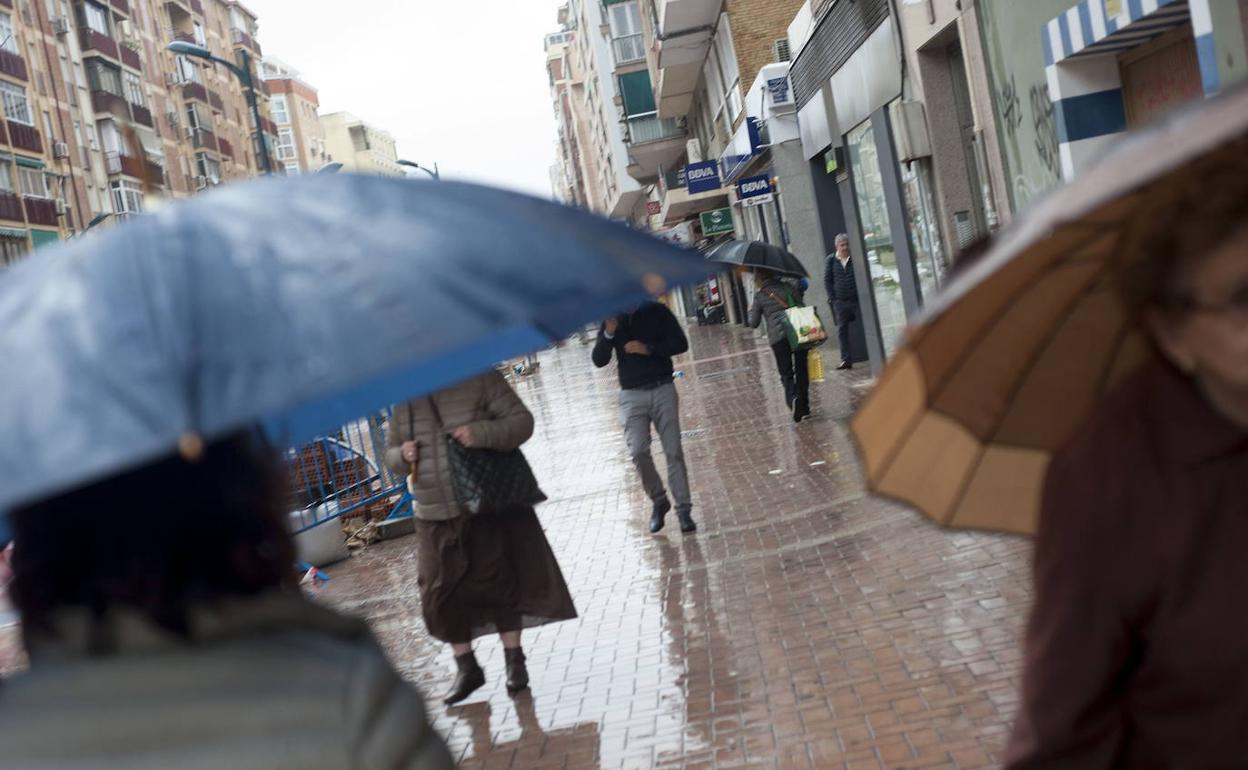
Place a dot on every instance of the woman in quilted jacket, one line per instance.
(478, 574)
(774, 296)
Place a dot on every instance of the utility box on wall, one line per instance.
(910, 132)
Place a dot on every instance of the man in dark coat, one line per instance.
(842, 289)
(643, 342)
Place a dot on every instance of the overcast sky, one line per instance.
(460, 84)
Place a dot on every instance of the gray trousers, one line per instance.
(661, 406)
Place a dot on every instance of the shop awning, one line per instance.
(12, 232)
(22, 160)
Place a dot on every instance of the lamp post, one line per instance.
(244, 76)
(433, 173)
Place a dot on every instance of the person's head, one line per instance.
(842, 245)
(160, 540)
(1187, 276)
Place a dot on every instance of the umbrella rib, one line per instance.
(961, 360)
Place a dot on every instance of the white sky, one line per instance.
(462, 84)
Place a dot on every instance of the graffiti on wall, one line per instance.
(1044, 122)
(1031, 111)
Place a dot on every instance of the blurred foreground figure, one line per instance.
(165, 630)
(1137, 650)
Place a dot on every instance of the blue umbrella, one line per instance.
(299, 304)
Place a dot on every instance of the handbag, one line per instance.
(802, 324)
(486, 481)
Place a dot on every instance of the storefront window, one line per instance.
(929, 256)
(877, 234)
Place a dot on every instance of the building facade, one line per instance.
(361, 148)
(295, 109)
(98, 115)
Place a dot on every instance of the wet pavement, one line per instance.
(806, 625)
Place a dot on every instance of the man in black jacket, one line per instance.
(643, 342)
(842, 286)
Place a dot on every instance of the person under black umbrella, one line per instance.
(774, 296)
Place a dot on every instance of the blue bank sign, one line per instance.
(703, 177)
(755, 190)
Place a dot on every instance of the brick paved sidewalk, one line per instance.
(806, 625)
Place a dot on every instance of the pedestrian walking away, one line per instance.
(775, 296)
(164, 627)
(643, 343)
(842, 287)
(478, 574)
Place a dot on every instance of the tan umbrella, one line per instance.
(1018, 351)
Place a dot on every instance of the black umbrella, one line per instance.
(763, 256)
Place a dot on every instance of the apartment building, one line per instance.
(98, 114)
(360, 147)
(295, 108)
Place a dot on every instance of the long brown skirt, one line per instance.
(482, 575)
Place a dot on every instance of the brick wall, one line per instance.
(756, 25)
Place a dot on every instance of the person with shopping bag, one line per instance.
(792, 330)
(483, 563)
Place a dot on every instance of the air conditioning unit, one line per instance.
(60, 25)
(201, 182)
(173, 79)
(60, 150)
(780, 50)
(213, 179)
(62, 208)
(173, 118)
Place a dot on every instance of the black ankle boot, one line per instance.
(469, 679)
(517, 673)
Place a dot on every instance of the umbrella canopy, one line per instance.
(764, 256)
(299, 304)
(1019, 351)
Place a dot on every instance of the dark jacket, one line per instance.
(653, 324)
(772, 299)
(839, 280)
(1135, 652)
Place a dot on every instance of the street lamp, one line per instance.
(332, 167)
(433, 173)
(243, 74)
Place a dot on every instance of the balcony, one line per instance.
(100, 43)
(203, 139)
(121, 6)
(24, 137)
(13, 64)
(142, 116)
(6, 3)
(197, 7)
(178, 7)
(227, 149)
(629, 50)
(245, 40)
(195, 91)
(40, 211)
(110, 103)
(214, 99)
(268, 126)
(138, 168)
(10, 206)
(185, 37)
(130, 57)
(681, 56)
(654, 143)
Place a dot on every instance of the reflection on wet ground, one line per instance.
(806, 625)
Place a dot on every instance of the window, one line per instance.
(197, 118)
(628, 43)
(208, 166)
(110, 138)
(6, 178)
(281, 114)
(103, 77)
(188, 71)
(286, 144)
(12, 249)
(16, 105)
(7, 41)
(201, 38)
(127, 197)
(97, 18)
(293, 168)
(134, 90)
(723, 80)
(638, 94)
(34, 183)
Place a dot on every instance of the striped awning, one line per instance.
(12, 232)
(1092, 28)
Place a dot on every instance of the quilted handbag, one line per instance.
(486, 481)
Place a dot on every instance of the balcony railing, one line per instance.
(11, 207)
(629, 49)
(197, 7)
(139, 168)
(214, 99)
(95, 41)
(242, 38)
(13, 64)
(185, 37)
(268, 126)
(40, 211)
(131, 58)
(194, 90)
(227, 149)
(646, 129)
(142, 116)
(202, 138)
(24, 137)
(6, 3)
(181, 5)
(104, 101)
(121, 6)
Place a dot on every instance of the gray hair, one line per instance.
(842, 238)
